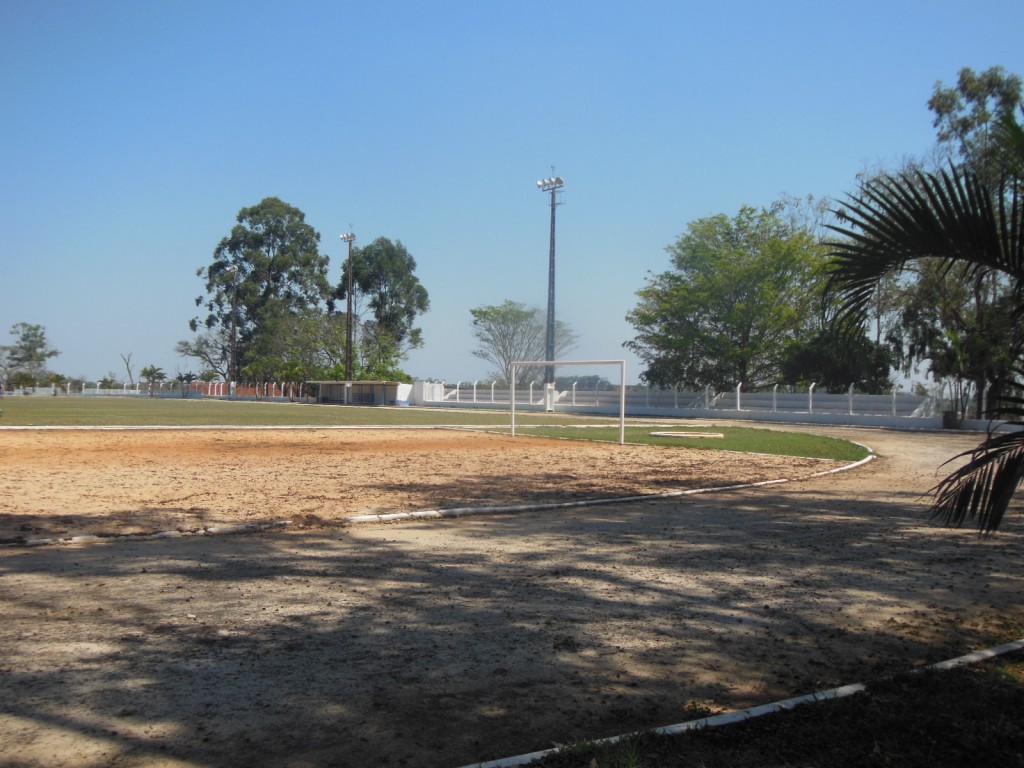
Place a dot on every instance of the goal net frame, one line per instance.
(552, 363)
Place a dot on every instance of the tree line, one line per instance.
(746, 299)
(269, 312)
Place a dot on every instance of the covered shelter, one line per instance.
(361, 392)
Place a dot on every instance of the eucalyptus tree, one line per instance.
(967, 117)
(385, 282)
(269, 266)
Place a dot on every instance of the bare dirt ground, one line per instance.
(441, 643)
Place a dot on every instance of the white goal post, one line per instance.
(550, 363)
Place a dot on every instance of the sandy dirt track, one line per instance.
(63, 483)
(440, 643)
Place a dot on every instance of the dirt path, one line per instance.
(442, 643)
(66, 483)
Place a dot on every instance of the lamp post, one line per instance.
(233, 361)
(551, 185)
(348, 237)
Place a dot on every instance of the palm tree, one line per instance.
(951, 216)
(152, 374)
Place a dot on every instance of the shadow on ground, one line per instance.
(445, 643)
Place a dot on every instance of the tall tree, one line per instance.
(512, 331)
(269, 266)
(384, 275)
(740, 290)
(26, 359)
(956, 318)
(967, 116)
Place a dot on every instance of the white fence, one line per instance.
(895, 409)
(895, 403)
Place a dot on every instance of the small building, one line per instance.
(361, 392)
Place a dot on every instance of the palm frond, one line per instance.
(893, 220)
(956, 218)
(981, 490)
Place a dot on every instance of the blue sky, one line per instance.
(131, 133)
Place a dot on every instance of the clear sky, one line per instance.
(132, 133)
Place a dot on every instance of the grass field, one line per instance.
(743, 439)
(176, 412)
(170, 412)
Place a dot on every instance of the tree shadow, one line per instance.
(443, 643)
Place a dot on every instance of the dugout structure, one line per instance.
(358, 392)
(549, 389)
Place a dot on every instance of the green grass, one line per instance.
(733, 439)
(177, 412)
(965, 716)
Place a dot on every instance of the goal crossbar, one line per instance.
(548, 363)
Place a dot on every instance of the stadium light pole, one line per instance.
(551, 185)
(233, 353)
(348, 237)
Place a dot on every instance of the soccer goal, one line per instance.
(549, 389)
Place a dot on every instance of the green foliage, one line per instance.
(974, 230)
(834, 363)
(384, 280)
(269, 310)
(380, 356)
(297, 347)
(151, 374)
(959, 320)
(269, 267)
(25, 360)
(384, 274)
(185, 380)
(511, 332)
(967, 116)
(739, 292)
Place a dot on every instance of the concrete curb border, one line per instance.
(759, 711)
(453, 512)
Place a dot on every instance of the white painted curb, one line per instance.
(466, 511)
(752, 712)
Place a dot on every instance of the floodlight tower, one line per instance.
(348, 237)
(551, 185)
(232, 269)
